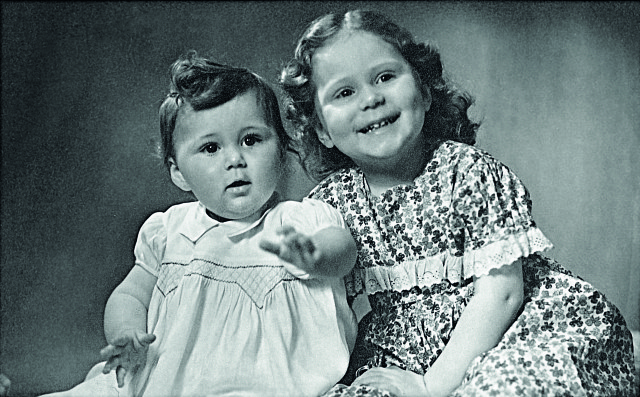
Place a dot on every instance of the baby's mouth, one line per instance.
(379, 124)
(237, 184)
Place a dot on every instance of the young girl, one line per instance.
(236, 293)
(462, 303)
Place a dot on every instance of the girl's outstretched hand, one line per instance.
(296, 249)
(395, 380)
(126, 353)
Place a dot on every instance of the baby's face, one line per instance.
(228, 156)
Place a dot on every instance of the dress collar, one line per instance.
(196, 223)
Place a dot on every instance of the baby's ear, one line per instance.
(324, 137)
(177, 177)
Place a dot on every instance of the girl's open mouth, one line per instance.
(380, 124)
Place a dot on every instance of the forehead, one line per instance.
(351, 51)
(240, 113)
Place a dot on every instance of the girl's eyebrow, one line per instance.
(341, 81)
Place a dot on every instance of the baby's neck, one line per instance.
(273, 200)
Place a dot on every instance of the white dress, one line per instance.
(229, 319)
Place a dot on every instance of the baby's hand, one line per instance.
(126, 353)
(5, 384)
(296, 249)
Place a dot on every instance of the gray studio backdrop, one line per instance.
(556, 85)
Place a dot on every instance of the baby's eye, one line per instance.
(210, 148)
(251, 139)
(384, 77)
(343, 93)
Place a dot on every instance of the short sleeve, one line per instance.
(310, 216)
(491, 218)
(151, 243)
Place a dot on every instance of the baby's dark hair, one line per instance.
(203, 84)
(446, 119)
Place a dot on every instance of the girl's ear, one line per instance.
(426, 97)
(177, 177)
(324, 137)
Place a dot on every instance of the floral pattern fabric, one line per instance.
(418, 247)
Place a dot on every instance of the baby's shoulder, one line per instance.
(170, 217)
(305, 206)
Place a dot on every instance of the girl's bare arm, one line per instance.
(495, 304)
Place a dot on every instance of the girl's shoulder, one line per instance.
(453, 158)
(339, 186)
(458, 152)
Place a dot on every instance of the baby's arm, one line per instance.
(125, 323)
(497, 299)
(330, 252)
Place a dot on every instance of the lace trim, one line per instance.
(425, 272)
(408, 274)
(505, 252)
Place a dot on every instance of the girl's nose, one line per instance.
(370, 98)
(234, 158)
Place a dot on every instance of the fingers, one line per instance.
(373, 377)
(120, 374)
(270, 247)
(286, 230)
(395, 380)
(111, 364)
(291, 242)
(142, 340)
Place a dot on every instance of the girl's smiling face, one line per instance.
(369, 102)
(227, 156)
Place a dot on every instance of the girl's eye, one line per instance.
(343, 93)
(384, 77)
(210, 148)
(251, 139)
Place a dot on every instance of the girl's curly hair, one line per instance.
(446, 119)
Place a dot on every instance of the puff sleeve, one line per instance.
(151, 243)
(491, 218)
(311, 215)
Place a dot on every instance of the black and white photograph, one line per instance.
(320, 199)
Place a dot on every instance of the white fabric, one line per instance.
(229, 319)
(431, 270)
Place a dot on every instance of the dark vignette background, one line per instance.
(556, 84)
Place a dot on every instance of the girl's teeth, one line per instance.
(377, 125)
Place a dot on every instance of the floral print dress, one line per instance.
(419, 246)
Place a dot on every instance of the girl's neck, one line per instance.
(383, 176)
(380, 181)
